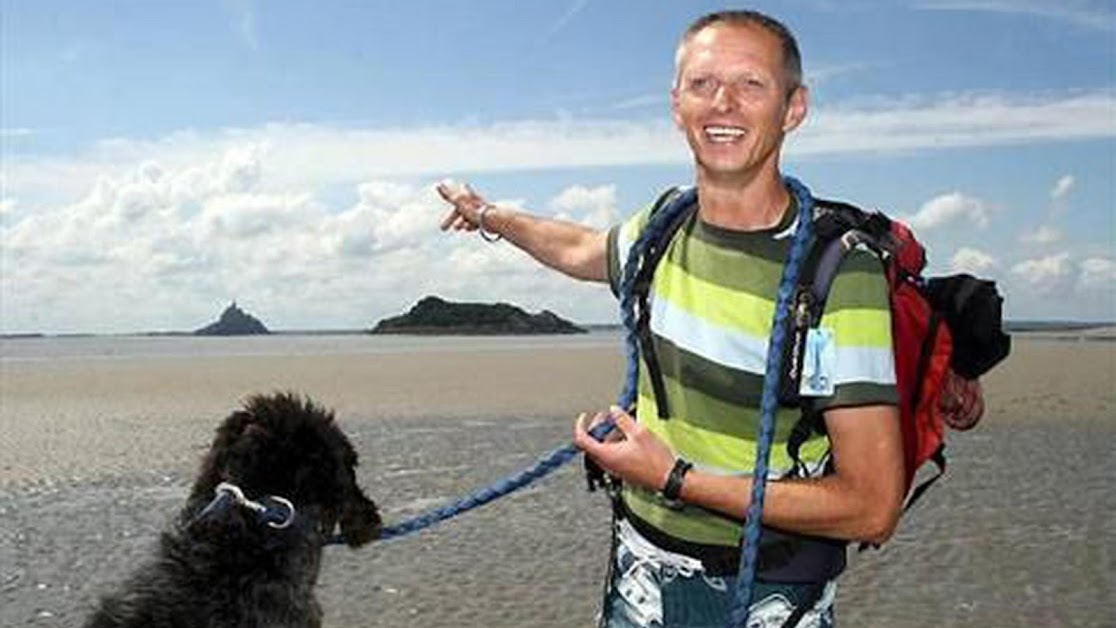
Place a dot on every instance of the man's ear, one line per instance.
(674, 108)
(797, 106)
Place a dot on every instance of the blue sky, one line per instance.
(161, 158)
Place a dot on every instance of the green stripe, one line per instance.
(860, 394)
(730, 269)
(860, 284)
(715, 434)
(725, 384)
(735, 311)
(760, 244)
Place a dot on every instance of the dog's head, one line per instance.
(288, 446)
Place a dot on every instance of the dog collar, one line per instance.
(277, 512)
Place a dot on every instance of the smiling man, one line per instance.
(686, 475)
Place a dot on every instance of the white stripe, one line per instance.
(874, 365)
(773, 473)
(742, 351)
(730, 348)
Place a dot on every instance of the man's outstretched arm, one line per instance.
(573, 249)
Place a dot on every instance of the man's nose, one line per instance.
(724, 98)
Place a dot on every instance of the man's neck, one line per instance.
(743, 204)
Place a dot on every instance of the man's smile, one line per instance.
(722, 134)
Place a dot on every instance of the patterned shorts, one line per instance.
(654, 588)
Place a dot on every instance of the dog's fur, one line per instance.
(229, 569)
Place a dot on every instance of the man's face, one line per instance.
(732, 101)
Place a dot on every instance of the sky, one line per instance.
(161, 158)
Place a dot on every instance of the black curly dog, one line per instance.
(229, 568)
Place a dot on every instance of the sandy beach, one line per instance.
(97, 454)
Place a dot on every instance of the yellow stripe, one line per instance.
(726, 308)
(727, 453)
(860, 327)
(690, 523)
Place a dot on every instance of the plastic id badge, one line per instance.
(819, 364)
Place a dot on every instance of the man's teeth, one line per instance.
(724, 133)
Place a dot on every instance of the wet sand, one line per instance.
(96, 455)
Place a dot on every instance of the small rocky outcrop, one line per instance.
(435, 316)
(233, 322)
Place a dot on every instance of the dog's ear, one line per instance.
(210, 473)
(360, 518)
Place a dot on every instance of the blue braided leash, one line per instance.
(769, 402)
(555, 459)
(768, 406)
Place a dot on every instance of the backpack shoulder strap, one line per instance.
(665, 208)
(839, 227)
(656, 248)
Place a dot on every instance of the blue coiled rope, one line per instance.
(768, 405)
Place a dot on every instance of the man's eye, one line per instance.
(703, 85)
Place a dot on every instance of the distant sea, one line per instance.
(33, 348)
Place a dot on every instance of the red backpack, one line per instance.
(946, 331)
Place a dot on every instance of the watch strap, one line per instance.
(672, 490)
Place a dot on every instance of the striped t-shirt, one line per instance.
(712, 303)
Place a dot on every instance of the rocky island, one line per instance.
(435, 316)
(233, 322)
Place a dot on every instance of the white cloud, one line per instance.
(309, 156)
(1098, 273)
(1043, 235)
(576, 7)
(1092, 14)
(595, 206)
(815, 76)
(658, 100)
(164, 247)
(973, 261)
(332, 226)
(247, 216)
(948, 208)
(13, 132)
(1062, 188)
(918, 123)
(1046, 274)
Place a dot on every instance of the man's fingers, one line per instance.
(581, 433)
(448, 190)
(624, 421)
(451, 217)
(465, 201)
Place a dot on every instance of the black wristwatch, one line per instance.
(672, 490)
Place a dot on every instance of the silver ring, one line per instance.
(286, 503)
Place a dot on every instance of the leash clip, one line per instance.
(271, 516)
